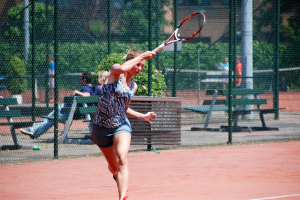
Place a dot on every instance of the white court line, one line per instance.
(292, 195)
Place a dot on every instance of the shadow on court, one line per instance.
(256, 171)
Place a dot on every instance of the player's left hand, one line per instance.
(150, 115)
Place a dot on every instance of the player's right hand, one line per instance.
(148, 55)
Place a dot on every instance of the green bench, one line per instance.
(237, 108)
(10, 115)
(79, 107)
(165, 130)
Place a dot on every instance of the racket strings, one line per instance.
(190, 27)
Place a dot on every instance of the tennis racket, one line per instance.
(219, 65)
(186, 30)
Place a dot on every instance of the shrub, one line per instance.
(16, 76)
(158, 82)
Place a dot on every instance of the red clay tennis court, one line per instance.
(243, 172)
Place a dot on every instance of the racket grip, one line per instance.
(160, 47)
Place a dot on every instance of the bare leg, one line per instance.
(122, 145)
(116, 157)
(110, 156)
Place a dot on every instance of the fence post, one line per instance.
(33, 59)
(174, 88)
(56, 40)
(149, 47)
(276, 59)
(109, 27)
(232, 45)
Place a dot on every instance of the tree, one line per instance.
(16, 72)
(13, 32)
(133, 22)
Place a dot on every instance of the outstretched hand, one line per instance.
(148, 116)
(148, 55)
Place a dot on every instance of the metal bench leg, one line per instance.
(88, 119)
(12, 128)
(14, 136)
(210, 109)
(263, 123)
(261, 115)
(237, 128)
(70, 119)
(235, 122)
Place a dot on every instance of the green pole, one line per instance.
(33, 59)
(109, 28)
(234, 42)
(46, 61)
(276, 59)
(56, 38)
(231, 65)
(149, 47)
(175, 53)
(157, 32)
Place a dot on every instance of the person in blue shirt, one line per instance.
(284, 85)
(88, 89)
(51, 79)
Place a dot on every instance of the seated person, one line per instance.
(101, 76)
(87, 90)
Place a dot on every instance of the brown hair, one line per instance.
(101, 75)
(132, 53)
(51, 57)
(87, 76)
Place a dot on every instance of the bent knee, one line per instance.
(122, 160)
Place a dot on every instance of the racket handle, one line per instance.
(160, 47)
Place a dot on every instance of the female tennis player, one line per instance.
(111, 128)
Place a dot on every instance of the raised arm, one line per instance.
(126, 66)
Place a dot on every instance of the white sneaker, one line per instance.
(28, 132)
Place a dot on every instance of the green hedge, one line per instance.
(16, 72)
(79, 57)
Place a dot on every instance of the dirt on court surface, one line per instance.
(253, 171)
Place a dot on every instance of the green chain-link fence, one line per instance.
(87, 35)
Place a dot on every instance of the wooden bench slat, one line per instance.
(10, 113)
(224, 92)
(18, 124)
(239, 102)
(217, 102)
(244, 91)
(206, 109)
(263, 111)
(8, 101)
(91, 99)
(68, 99)
(88, 110)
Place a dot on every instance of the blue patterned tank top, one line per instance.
(112, 103)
